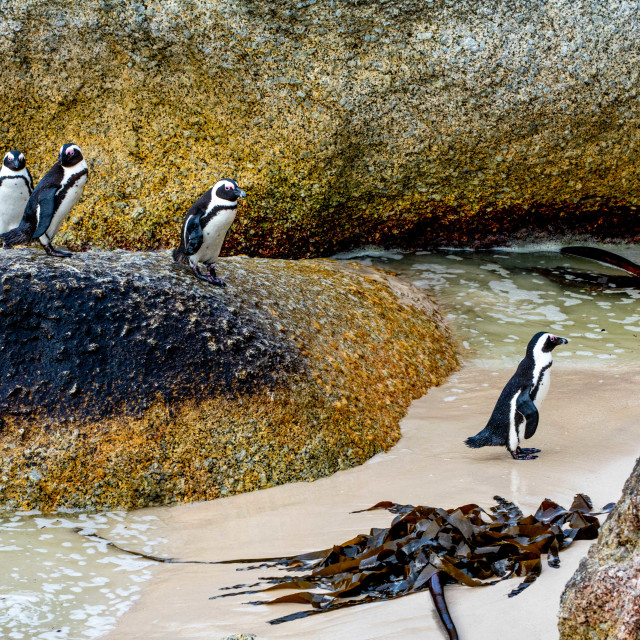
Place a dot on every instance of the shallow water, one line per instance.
(55, 583)
(496, 300)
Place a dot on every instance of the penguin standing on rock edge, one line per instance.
(515, 416)
(16, 186)
(51, 201)
(205, 227)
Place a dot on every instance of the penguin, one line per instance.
(205, 227)
(51, 201)
(16, 186)
(515, 416)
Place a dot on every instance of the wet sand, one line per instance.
(589, 438)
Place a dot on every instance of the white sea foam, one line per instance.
(81, 589)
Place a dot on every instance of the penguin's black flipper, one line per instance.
(20, 235)
(46, 202)
(193, 234)
(524, 404)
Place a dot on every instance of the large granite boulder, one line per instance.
(602, 599)
(404, 122)
(125, 381)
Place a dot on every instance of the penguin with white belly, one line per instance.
(16, 186)
(515, 416)
(51, 201)
(205, 227)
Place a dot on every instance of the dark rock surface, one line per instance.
(402, 122)
(602, 599)
(127, 382)
(109, 332)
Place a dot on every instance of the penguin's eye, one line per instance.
(10, 156)
(552, 338)
(228, 187)
(21, 157)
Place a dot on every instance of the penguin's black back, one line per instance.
(53, 178)
(496, 433)
(198, 207)
(27, 227)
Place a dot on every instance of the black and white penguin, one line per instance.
(205, 227)
(16, 186)
(515, 416)
(51, 201)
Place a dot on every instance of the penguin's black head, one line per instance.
(69, 155)
(14, 160)
(544, 342)
(227, 189)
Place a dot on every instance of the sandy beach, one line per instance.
(589, 439)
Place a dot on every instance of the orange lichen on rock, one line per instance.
(405, 124)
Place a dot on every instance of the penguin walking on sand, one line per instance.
(16, 186)
(515, 416)
(205, 227)
(51, 201)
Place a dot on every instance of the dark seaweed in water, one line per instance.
(605, 257)
(597, 280)
(426, 545)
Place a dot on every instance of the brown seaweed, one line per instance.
(427, 547)
(604, 257)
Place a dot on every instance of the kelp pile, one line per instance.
(426, 547)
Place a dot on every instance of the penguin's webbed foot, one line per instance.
(522, 454)
(213, 278)
(523, 450)
(196, 271)
(56, 253)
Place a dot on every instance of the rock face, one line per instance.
(125, 381)
(404, 122)
(602, 599)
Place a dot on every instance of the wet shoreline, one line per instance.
(588, 441)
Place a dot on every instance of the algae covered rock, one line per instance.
(404, 122)
(125, 381)
(602, 599)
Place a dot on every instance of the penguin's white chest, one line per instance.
(14, 195)
(213, 236)
(71, 195)
(543, 387)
